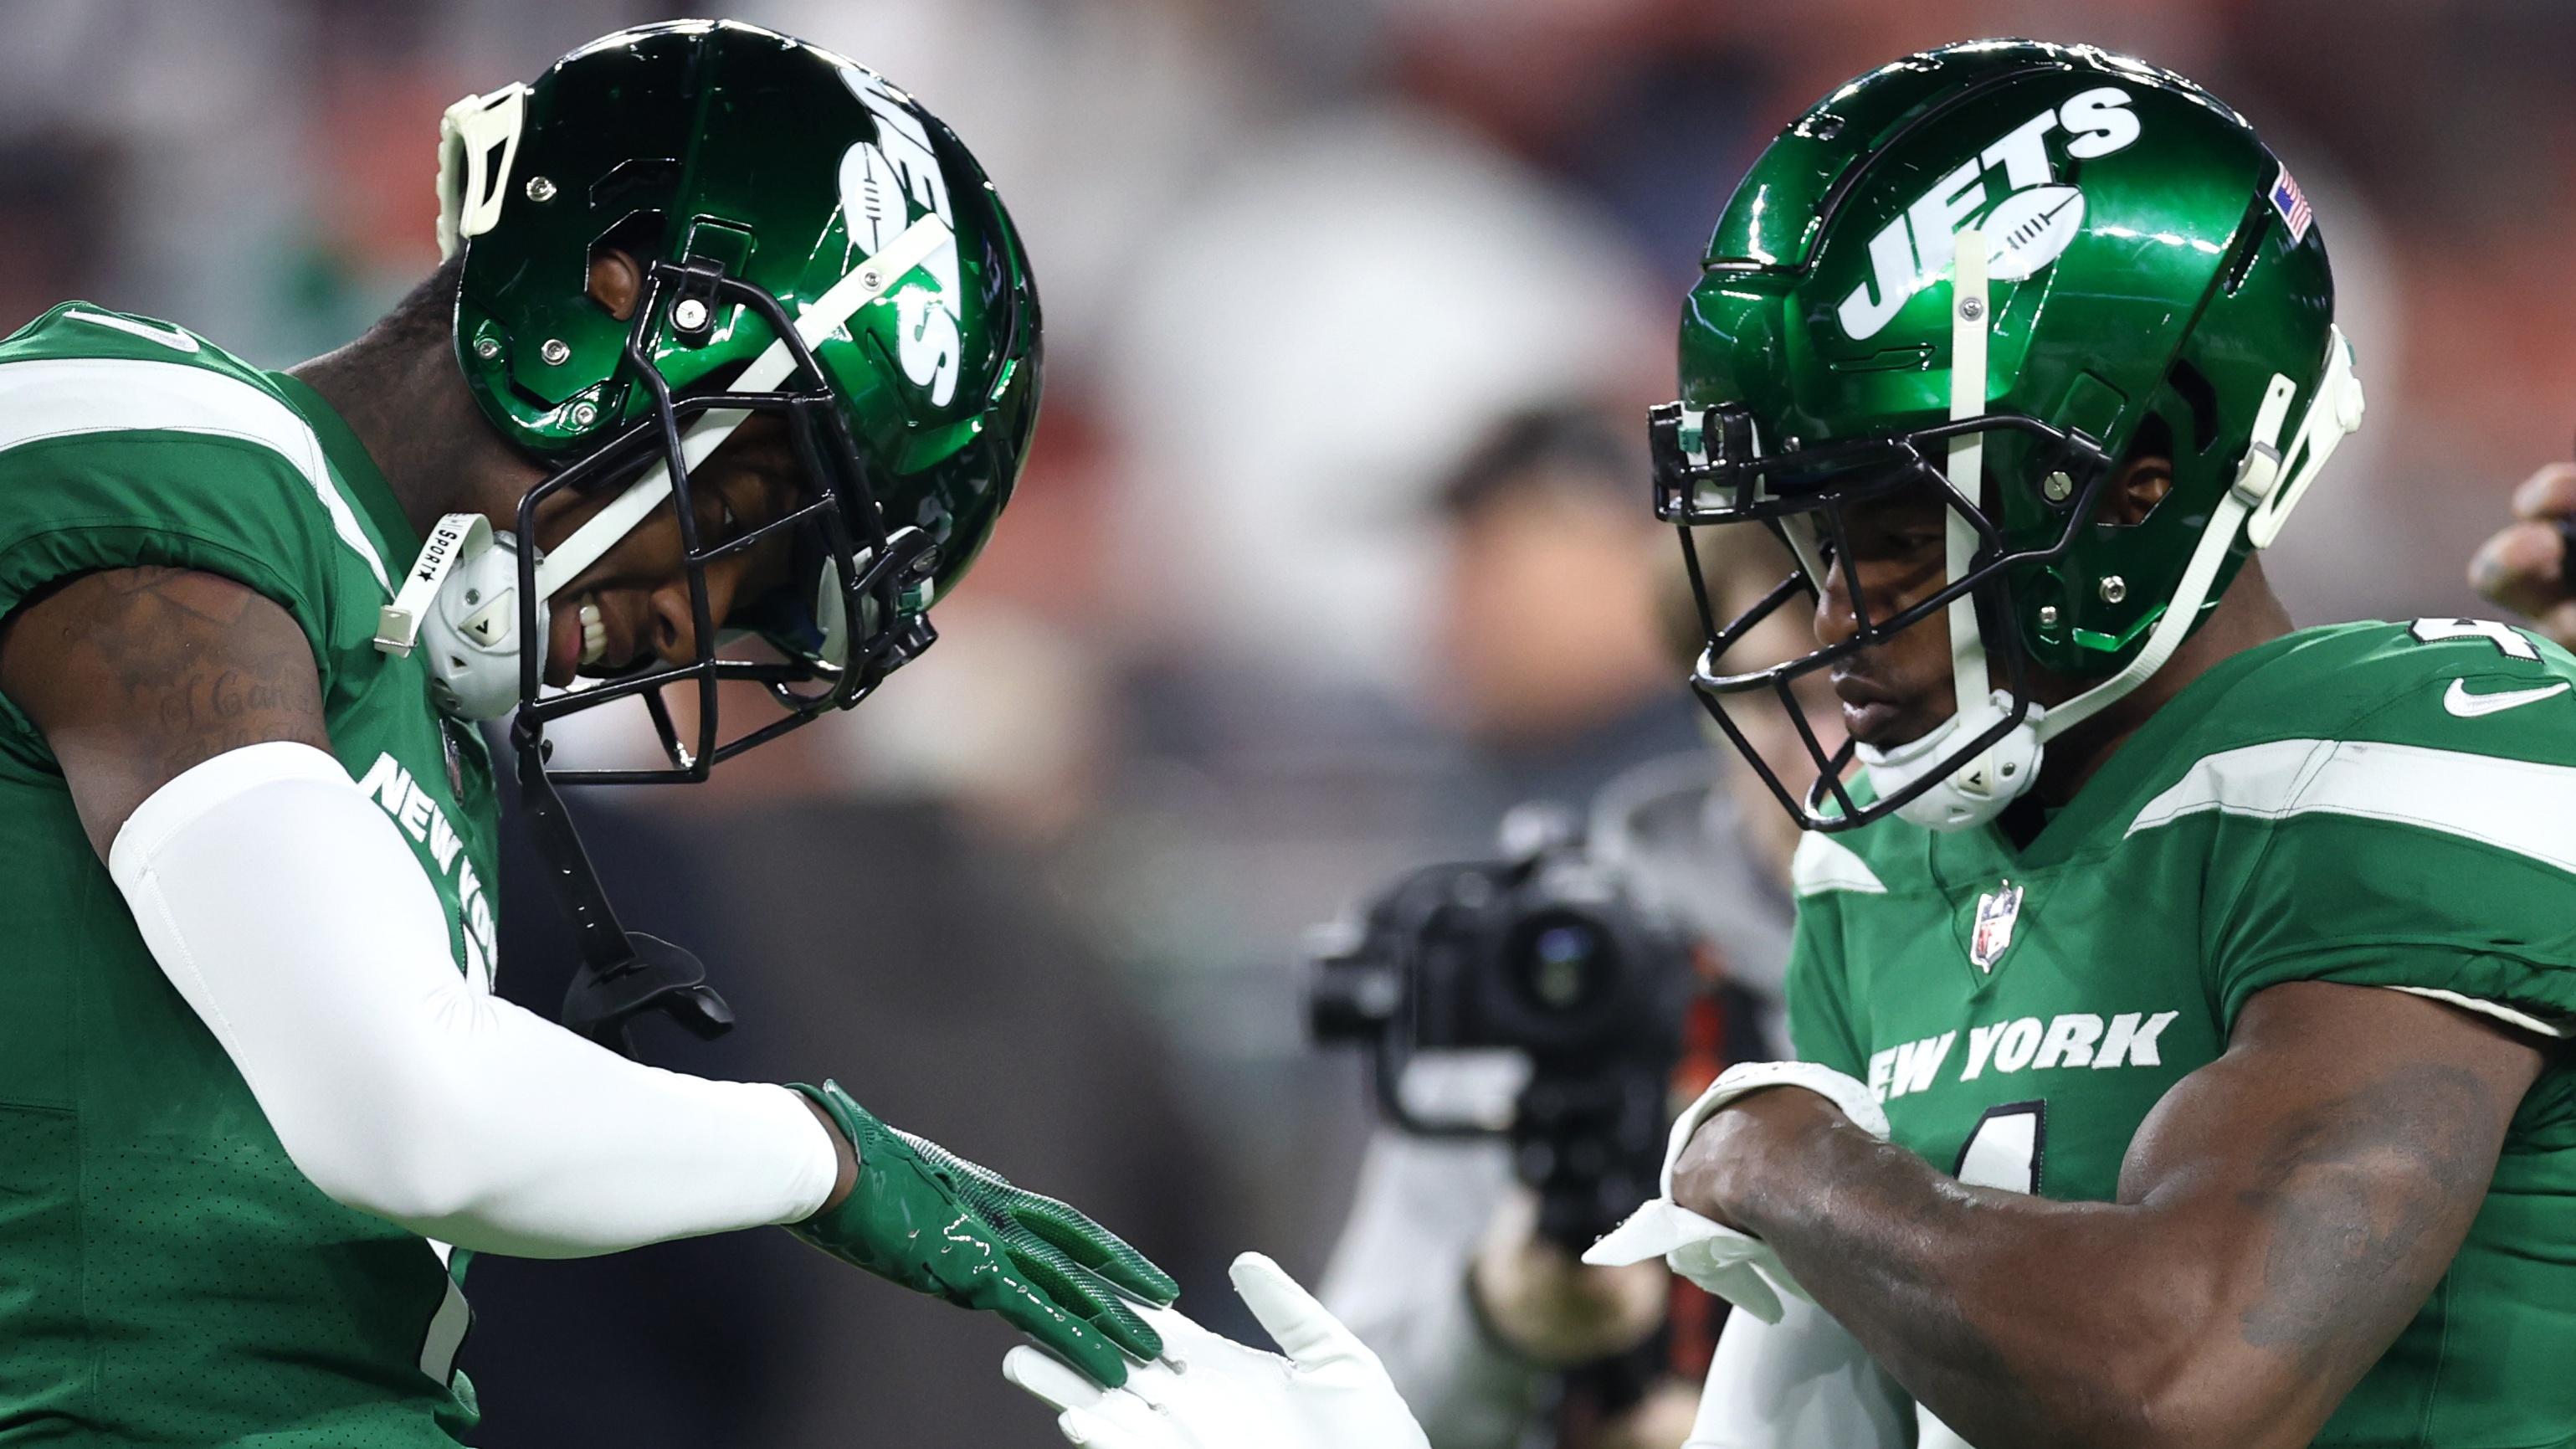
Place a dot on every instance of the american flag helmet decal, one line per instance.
(2292, 203)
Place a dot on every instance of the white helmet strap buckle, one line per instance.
(452, 539)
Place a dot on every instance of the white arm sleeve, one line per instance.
(296, 921)
(1801, 1383)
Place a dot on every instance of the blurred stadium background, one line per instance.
(1248, 641)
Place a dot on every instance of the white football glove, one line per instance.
(1209, 1392)
(1735, 1266)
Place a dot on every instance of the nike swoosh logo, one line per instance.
(170, 337)
(2460, 702)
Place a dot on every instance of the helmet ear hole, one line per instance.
(2136, 492)
(615, 265)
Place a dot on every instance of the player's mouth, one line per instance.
(1870, 711)
(576, 640)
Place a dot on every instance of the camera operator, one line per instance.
(1549, 650)
(1444, 1268)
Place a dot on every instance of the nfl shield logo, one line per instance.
(1997, 910)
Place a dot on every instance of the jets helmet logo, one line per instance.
(881, 181)
(1997, 912)
(2036, 219)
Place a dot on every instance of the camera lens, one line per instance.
(1562, 962)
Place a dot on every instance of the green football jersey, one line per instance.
(2373, 804)
(167, 1276)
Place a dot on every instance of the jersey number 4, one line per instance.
(2512, 642)
(2004, 1152)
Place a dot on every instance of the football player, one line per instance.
(733, 343)
(2180, 991)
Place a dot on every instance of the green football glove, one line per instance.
(936, 1224)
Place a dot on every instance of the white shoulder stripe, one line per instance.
(2483, 1007)
(1825, 864)
(63, 397)
(2515, 805)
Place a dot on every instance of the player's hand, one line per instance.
(2526, 566)
(1210, 1392)
(1735, 1266)
(923, 1218)
(1552, 1309)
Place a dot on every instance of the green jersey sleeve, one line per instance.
(2427, 843)
(120, 448)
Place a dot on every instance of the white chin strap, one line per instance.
(460, 600)
(1974, 791)
(2269, 483)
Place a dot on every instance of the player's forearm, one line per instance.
(2283, 1214)
(2018, 1320)
(290, 914)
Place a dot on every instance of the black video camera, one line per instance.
(1548, 953)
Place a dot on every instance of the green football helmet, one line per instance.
(814, 245)
(1994, 270)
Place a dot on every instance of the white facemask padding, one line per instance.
(482, 676)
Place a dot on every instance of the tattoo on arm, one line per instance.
(135, 675)
(2350, 1200)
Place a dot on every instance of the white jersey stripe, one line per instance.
(64, 397)
(2484, 1007)
(2517, 805)
(1825, 864)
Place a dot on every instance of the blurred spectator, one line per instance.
(1439, 1266)
(1642, 105)
(1313, 343)
(1551, 652)
(54, 191)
